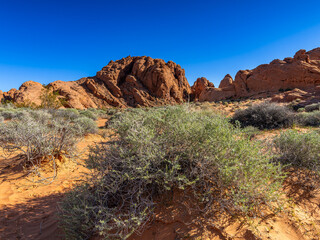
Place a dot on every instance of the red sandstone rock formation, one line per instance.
(131, 81)
(143, 81)
(302, 71)
(201, 85)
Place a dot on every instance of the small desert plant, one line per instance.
(157, 152)
(111, 111)
(49, 99)
(89, 114)
(309, 118)
(38, 137)
(69, 113)
(313, 107)
(1, 119)
(86, 124)
(299, 149)
(11, 113)
(250, 131)
(299, 154)
(264, 116)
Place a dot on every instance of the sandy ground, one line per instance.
(28, 210)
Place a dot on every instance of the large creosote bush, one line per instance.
(299, 149)
(264, 116)
(158, 151)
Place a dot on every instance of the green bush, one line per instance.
(69, 113)
(250, 131)
(87, 125)
(309, 118)
(312, 107)
(89, 114)
(264, 116)
(159, 151)
(299, 149)
(49, 99)
(11, 113)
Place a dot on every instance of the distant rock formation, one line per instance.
(131, 81)
(143, 81)
(302, 71)
(201, 85)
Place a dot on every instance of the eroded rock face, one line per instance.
(131, 81)
(201, 85)
(302, 71)
(226, 82)
(29, 92)
(1, 96)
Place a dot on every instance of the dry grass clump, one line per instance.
(158, 151)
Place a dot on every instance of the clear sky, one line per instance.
(44, 40)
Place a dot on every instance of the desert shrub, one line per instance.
(1, 119)
(86, 124)
(264, 116)
(158, 151)
(12, 113)
(49, 99)
(39, 138)
(69, 113)
(299, 149)
(250, 131)
(111, 111)
(8, 113)
(89, 114)
(312, 107)
(309, 118)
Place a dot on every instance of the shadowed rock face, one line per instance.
(302, 71)
(131, 81)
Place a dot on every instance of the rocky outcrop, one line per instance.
(1, 96)
(302, 71)
(29, 92)
(131, 81)
(143, 81)
(201, 85)
(226, 82)
(203, 90)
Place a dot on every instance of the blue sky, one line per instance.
(65, 40)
